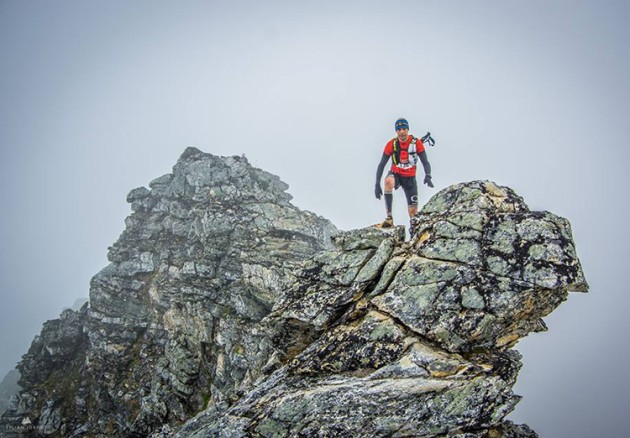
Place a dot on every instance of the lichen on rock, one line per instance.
(420, 346)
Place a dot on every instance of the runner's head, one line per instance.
(402, 129)
(401, 123)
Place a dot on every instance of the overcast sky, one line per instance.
(99, 97)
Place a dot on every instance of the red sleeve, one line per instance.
(389, 148)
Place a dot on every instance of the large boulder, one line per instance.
(381, 337)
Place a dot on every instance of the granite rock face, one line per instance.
(174, 321)
(227, 312)
(491, 269)
(52, 374)
(389, 338)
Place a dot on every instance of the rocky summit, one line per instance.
(228, 312)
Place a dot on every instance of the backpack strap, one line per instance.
(396, 154)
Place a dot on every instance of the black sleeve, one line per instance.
(381, 167)
(425, 163)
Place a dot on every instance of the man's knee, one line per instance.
(390, 181)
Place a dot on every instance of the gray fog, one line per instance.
(100, 97)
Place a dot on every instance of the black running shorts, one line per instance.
(409, 185)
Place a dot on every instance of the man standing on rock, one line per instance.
(404, 150)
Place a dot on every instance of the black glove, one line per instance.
(378, 192)
(427, 180)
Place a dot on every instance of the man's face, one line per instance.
(403, 133)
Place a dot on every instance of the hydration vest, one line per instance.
(413, 155)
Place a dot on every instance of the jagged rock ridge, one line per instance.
(205, 308)
(390, 338)
(173, 323)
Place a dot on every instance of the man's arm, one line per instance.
(425, 163)
(381, 167)
(427, 168)
(379, 174)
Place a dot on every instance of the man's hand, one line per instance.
(378, 192)
(427, 180)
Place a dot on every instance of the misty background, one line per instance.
(100, 97)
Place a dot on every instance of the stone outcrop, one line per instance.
(53, 377)
(173, 324)
(228, 312)
(396, 338)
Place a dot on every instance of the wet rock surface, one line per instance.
(228, 312)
